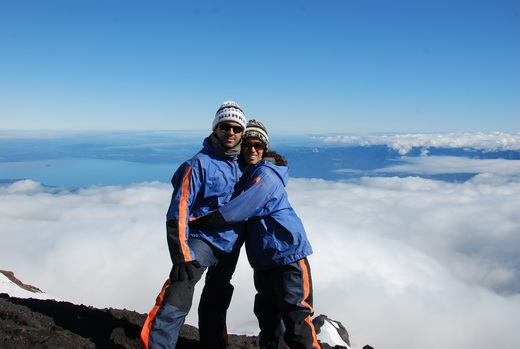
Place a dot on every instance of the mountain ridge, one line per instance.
(30, 323)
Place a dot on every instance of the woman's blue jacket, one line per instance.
(274, 235)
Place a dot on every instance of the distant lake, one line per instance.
(123, 158)
(85, 172)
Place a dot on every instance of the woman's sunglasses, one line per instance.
(227, 127)
(258, 146)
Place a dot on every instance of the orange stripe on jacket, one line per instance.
(183, 214)
(256, 180)
(306, 294)
(145, 332)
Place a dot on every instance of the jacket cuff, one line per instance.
(212, 220)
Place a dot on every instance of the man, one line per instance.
(200, 185)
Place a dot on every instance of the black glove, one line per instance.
(212, 220)
(183, 271)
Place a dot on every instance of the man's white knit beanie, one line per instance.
(229, 111)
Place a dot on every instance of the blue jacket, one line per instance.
(200, 185)
(275, 235)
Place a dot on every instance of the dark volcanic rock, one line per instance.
(28, 323)
(34, 323)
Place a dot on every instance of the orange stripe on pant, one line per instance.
(145, 332)
(307, 292)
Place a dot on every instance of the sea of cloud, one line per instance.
(427, 165)
(401, 262)
(405, 142)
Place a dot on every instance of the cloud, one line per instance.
(401, 262)
(405, 142)
(415, 258)
(453, 164)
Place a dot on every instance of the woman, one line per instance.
(276, 244)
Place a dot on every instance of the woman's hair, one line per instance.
(279, 160)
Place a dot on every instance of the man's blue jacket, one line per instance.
(200, 185)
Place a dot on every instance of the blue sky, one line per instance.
(347, 66)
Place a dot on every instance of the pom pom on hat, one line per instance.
(255, 129)
(229, 111)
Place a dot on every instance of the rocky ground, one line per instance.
(35, 323)
(29, 323)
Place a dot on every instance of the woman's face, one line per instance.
(252, 150)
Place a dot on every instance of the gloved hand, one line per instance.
(183, 271)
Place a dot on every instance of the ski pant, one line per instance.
(284, 298)
(164, 322)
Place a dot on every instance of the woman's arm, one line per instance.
(250, 203)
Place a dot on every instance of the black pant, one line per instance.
(214, 302)
(164, 322)
(285, 298)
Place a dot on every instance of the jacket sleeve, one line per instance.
(259, 199)
(177, 232)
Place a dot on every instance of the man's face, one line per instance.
(229, 133)
(252, 150)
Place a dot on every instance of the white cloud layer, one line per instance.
(401, 262)
(452, 164)
(405, 142)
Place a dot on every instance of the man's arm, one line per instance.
(177, 231)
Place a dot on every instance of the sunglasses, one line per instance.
(227, 127)
(258, 146)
